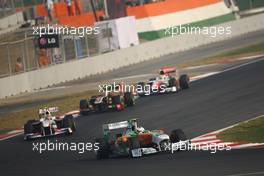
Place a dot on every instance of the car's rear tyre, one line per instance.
(116, 99)
(172, 82)
(141, 89)
(184, 81)
(68, 122)
(177, 136)
(104, 150)
(92, 100)
(102, 107)
(28, 127)
(84, 106)
(129, 99)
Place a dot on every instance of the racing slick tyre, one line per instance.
(68, 122)
(116, 100)
(177, 136)
(28, 127)
(92, 100)
(104, 149)
(84, 105)
(133, 144)
(172, 82)
(141, 89)
(102, 107)
(129, 99)
(184, 81)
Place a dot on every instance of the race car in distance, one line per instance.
(168, 80)
(113, 99)
(126, 138)
(48, 125)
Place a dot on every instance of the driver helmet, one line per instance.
(45, 113)
(140, 129)
(130, 129)
(161, 72)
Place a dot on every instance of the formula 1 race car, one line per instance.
(48, 125)
(128, 139)
(167, 81)
(111, 100)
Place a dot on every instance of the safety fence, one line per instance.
(20, 52)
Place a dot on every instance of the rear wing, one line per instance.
(120, 125)
(50, 109)
(167, 70)
(117, 125)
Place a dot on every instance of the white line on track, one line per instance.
(200, 66)
(205, 138)
(247, 145)
(242, 65)
(250, 57)
(11, 136)
(226, 70)
(201, 77)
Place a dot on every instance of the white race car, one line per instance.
(48, 125)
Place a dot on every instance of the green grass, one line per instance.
(259, 47)
(228, 56)
(71, 102)
(250, 132)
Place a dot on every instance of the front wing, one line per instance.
(58, 132)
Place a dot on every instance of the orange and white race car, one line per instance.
(168, 80)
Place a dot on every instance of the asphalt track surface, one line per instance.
(141, 68)
(211, 103)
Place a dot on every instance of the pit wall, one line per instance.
(29, 81)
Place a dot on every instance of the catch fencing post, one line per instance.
(63, 48)
(87, 45)
(108, 37)
(8, 57)
(13, 4)
(23, 56)
(26, 52)
(75, 48)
